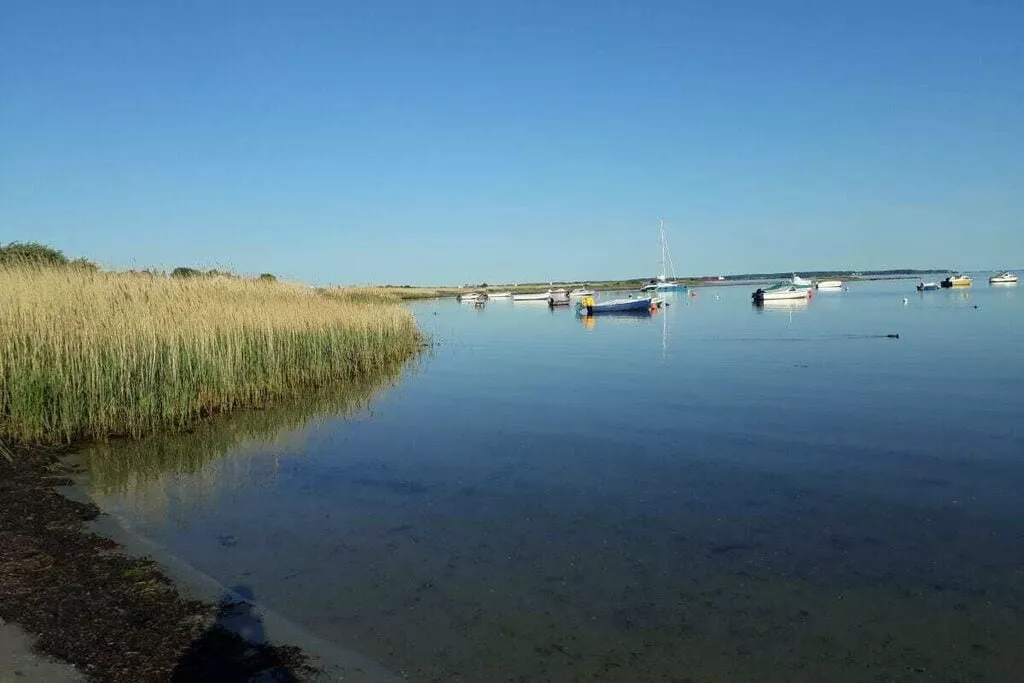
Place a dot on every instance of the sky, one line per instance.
(473, 141)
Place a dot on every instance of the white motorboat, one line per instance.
(781, 292)
(830, 284)
(558, 297)
(472, 297)
(580, 293)
(801, 282)
(499, 295)
(537, 296)
(663, 284)
(1004, 278)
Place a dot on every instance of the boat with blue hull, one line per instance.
(642, 305)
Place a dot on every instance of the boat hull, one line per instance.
(619, 306)
(792, 293)
(830, 284)
(543, 296)
(1003, 280)
(927, 287)
(663, 287)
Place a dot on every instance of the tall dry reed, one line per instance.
(89, 355)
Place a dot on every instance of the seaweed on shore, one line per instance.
(114, 617)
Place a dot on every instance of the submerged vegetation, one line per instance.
(88, 355)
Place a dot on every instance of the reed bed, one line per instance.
(87, 355)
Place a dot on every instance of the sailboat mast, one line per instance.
(661, 223)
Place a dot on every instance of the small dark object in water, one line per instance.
(893, 336)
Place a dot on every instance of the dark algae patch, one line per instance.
(116, 618)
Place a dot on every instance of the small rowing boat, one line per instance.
(536, 296)
(830, 284)
(927, 286)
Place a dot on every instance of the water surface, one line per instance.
(717, 493)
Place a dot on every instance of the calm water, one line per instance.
(717, 493)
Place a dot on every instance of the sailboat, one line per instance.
(663, 284)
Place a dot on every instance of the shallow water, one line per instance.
(716, 493)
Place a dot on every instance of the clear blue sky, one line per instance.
(446, 142)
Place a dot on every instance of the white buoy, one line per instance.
(905, 301)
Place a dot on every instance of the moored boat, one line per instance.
(781, 292)
(472, 297)
(829, 284)
(581, 292)
(927, 286)
(957, 280)
(1004, 278)
(499, 295)
(588, 306)
(558, 297)
(662, 283)
(801, 282)
(536, 296)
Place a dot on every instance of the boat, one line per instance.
(472, 297)
(1004, 278)
(956, 280)
(829, 284)
(536, 296)
(801, 282)
(558, 297)
(499, 295)
(781, 292)
(662, 283)
(638, 305)
(580, 293)
(927, 286)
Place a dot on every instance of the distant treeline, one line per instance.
(36, 254)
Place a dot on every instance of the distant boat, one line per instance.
(558, 297)
(663, 284)
(801, 282)
(640, 305)
(472, 298)
(1004, 278)
(830, 284)
(927, 286)
(538, 296)
(580, 293)
(957, 280)
(781, 292)
(499, 295)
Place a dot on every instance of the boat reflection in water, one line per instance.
(781, 305)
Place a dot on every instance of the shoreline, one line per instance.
(114, 616)
(325, 661)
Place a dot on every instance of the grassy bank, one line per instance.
(87, 355)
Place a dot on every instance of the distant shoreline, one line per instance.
(408, 292)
